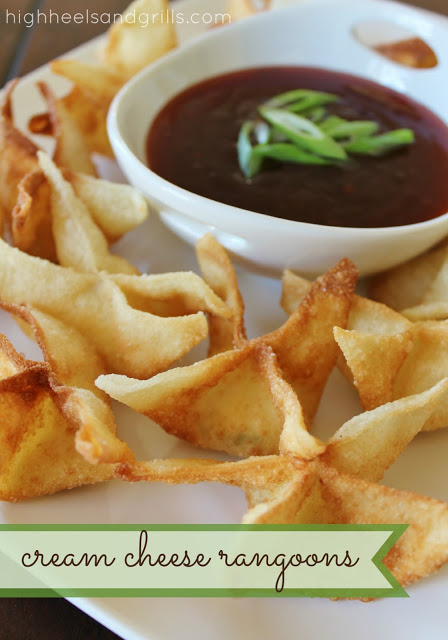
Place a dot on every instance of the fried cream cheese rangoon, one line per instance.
(102, 211)
(129, 341)
(84, 108)
(219, 274)
(388, 367)
(132, 44)
(386, 355)
(418, 288)
(142, 35)
(18, 156)
(51, 433)
(366, 316)
(26, 194)
(71, 150)
(226, 402)
(309, 482)
(84, 247)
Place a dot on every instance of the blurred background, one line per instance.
(25, 48)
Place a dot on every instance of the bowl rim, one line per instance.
(178, 195)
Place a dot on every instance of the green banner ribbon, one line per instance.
(336, 561)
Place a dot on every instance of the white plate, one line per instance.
(421, 468)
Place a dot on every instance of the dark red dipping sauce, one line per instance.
(192, 143)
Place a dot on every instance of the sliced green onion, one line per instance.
(338, 128)
(310, 102)
(316, 114)
(288, 152)
(381, 144)
(277, 136)
(249, 164)
(355, 129)
(312, 138)
(284, 99)
(330, 123)
(262, 132)
(304, 133)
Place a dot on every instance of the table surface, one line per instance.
(24, 48)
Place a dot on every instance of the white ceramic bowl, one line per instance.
(315, 33)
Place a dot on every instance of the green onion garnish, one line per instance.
(311, 138)
(303, 133)
(309, 103)
(262, 132)
(316, 114)
(287, 152)
(249, 164)
(292, 100)
(381, 144)
(344, 129)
